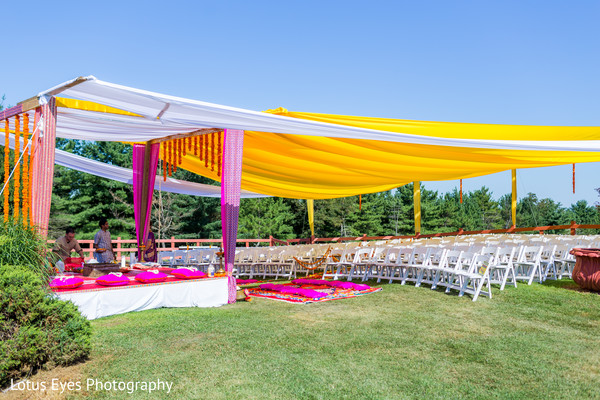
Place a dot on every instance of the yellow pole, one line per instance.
(514, 197)
(310, 206)
(417, 205)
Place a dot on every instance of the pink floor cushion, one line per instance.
(341, 285)
(112, 279)
(66, 282)
(151, 276)
(311, 294)
(187, 273)
(245, 281)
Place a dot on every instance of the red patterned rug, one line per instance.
(332, 294)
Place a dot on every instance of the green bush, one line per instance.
(36, 329)
(20, 245)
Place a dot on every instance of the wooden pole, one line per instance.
(417, 206)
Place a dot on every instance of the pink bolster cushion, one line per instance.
(151, 277)
(112, 279)
(66, 283)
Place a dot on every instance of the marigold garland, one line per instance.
(219, 155)
(184, 148)
(174, 156)
(206, 151)
(212, 151)
(315, 264)
(17, 167)
(179, 145)
(6, 168)
(25, 168)
(164, 163)
(170, 152)
(195, 145)
(189, 140)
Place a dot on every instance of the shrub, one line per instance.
(36, 329)
(20, 245)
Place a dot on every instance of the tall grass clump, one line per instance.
(36, 328)
(23, 245)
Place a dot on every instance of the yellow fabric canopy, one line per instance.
(314, 167)
(309, 167)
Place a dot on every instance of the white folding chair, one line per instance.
(476, 277)
(529, 264)
(419, 259)
(502, 268)
(548, 262)
(358, 267)
(427, 271)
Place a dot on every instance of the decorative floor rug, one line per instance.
(332, 294)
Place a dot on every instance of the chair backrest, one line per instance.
(505, 255)
(437, 256)
(363, 254)
(165, 257)
(548, 253)
(453, 259)
(420, 255)
(531, 254)
(480, 264)
(180, 256)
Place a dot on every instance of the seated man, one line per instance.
(64, 245)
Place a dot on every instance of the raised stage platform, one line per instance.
(95, 301)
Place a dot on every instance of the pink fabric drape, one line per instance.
(43, 167)
(233, 148)
(139, 154)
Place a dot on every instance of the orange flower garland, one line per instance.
(205, 151)
(25, 169)
(179, 147)
(170, 153)
(17, 186)
(219, 156)
(189, 140)
(212, 151)
(183, 141)
(195, 145)
(315, 264)
(6, 168)
(201, 147)
(164, 161)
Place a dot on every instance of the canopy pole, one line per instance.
(513, 206)
(417, 206)
(310, 206)
(44, 166)
(145, 161)
(231, 179)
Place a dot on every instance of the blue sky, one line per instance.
(506, 62)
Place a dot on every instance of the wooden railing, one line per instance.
(128, 246)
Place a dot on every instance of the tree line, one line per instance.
(80, 200)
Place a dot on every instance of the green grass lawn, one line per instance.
(532, 342)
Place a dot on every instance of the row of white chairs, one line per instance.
(468, 269)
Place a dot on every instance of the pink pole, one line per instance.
(231, 178)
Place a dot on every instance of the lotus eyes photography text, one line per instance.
(93, 384)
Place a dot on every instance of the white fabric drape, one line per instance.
(180, 115)
(125, 175)
(111, 301)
